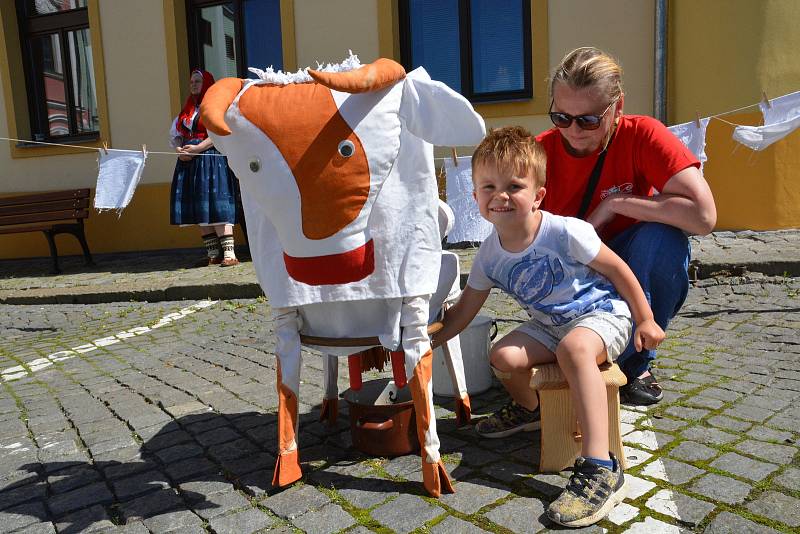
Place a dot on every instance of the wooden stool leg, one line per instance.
(559, 424)
(398, 358)
(614, 432)
(354, 369)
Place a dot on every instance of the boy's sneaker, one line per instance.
(641, 391)
(592, 492)
(508, 420)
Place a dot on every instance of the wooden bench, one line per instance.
(48, 213)
(560, 435)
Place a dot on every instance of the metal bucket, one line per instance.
(382, 429)
(475, 340)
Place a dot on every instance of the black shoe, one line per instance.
(641, 391)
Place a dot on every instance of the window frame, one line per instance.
(465, 53)
(33, 26)
(196, 58)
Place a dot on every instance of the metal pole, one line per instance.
(660, 85)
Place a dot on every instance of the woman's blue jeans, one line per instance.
(658, 254)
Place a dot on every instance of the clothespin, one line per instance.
(144, 150)
(455, 156)
(697, 118)
(766, 99)
(105, 148)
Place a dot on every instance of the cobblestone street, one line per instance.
(154, 417)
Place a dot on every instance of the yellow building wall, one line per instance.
(326, 29)
(722, 55)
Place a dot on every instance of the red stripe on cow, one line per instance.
(343, 268)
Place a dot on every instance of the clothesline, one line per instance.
(94, 148)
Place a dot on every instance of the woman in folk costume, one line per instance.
(204, 190)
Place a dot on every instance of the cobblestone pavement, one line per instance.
(137, 417)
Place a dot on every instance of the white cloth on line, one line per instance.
(119, 174)
(694, 137)
(469, 225)
(781, 118)
(781, 109)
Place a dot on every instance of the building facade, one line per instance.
(88, 72)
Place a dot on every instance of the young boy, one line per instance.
(560, 272)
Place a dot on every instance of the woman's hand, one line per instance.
(602, 214)
(191, 149)
(648, 335)
(182, 155)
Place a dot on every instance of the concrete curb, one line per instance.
(105, 295)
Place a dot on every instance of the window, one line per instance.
(480, 48)
(60, 80)
(226, 37)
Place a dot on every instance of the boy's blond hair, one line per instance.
(513, 150)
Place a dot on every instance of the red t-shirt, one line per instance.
(642, 157)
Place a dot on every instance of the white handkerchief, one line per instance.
(693, 137)
(469, 225)
(781, 109)
(119, 174)
(781, 118)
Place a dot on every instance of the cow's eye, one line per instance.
(347, 148)
(255, 165)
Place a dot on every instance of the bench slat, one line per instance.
(59, 205)
(41, 217)
(37, 198)
(26, 228)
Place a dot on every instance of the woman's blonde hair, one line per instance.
(513, 150)
(589, 67)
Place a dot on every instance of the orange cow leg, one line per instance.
(434, 475)
(463, 411)
(287, 466)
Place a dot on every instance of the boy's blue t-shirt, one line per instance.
(550, 278)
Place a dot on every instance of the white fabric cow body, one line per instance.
(338, 188)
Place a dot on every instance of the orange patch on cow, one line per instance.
(306, 126)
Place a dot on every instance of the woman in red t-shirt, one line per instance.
(649, 190)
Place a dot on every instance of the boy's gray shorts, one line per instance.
(614, 330)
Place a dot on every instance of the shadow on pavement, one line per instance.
(195, 468)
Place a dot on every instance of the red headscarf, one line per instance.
(188, 114)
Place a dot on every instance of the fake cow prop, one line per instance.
(337, 180)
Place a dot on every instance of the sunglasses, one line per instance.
(584, 122)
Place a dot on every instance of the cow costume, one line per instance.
(337, 179)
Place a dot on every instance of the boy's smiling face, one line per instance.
(505, 200)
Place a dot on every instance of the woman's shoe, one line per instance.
(229, 262)
(205, 262)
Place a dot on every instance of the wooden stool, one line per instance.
(561, 437)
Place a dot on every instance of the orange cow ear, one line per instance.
(371, 77)
(215, 103)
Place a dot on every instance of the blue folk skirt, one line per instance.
(204, 191)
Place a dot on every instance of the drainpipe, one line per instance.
(660, 85)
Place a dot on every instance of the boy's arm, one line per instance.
(648, 334)
(458, 317)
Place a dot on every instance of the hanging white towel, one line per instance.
(781, 109)
(694, 137)
(781, 118)
(119, 174)
(469, 225)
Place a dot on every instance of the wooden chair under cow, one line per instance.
(338, 186)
